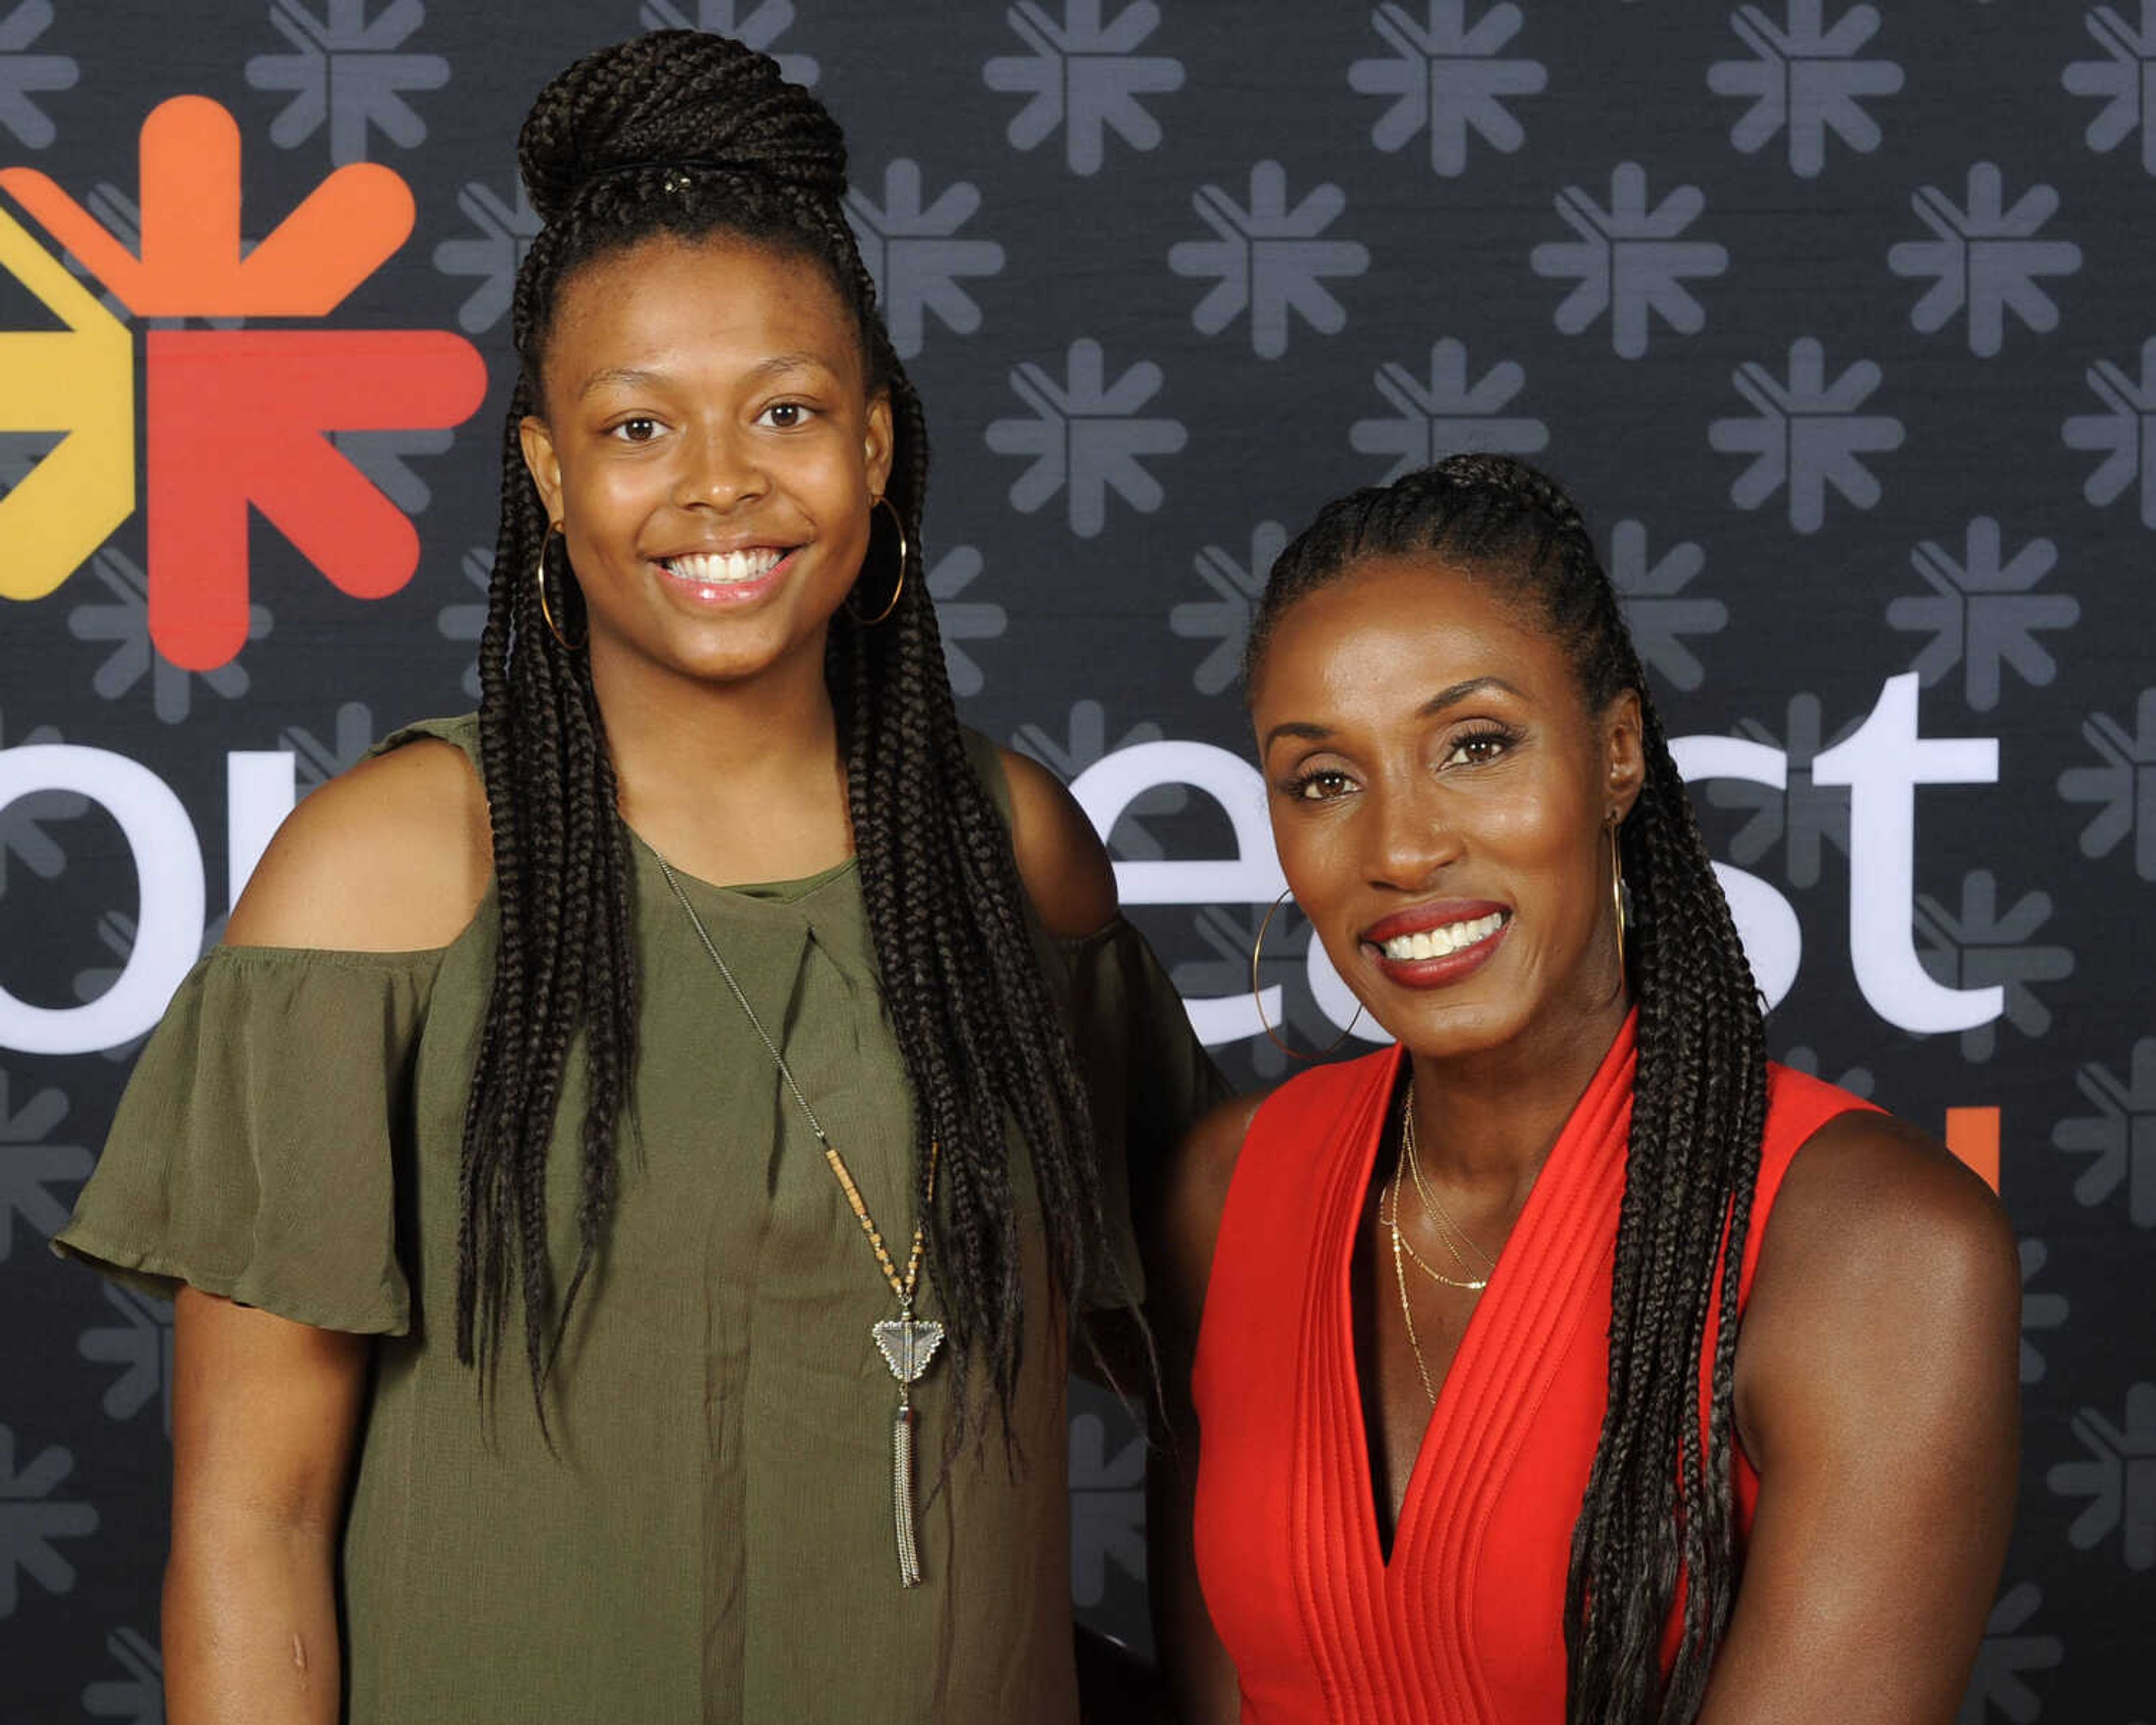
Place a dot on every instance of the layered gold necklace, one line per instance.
(1471, 1280)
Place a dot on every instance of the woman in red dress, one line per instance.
(1536, 1377)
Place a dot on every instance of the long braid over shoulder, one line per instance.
(1657, 1525)
(691, 135)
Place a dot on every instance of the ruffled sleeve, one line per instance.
(1146, 1075)
(255, 1151)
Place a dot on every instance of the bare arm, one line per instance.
(391, 856)
(1877, 1393)
(263, 1411)
(1178, 1241)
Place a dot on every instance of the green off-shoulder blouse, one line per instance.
(711, 1538)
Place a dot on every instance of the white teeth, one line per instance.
(1450, 937)
(725, 568)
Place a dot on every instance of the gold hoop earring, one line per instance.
(1617, 888)
(1258, 999)
(897, 592)
(539, 578)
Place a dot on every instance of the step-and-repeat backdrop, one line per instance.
(1838, 317)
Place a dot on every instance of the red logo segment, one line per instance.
(239, 418)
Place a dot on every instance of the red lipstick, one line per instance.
(1442, 969)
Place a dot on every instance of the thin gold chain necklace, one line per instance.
(1401, 1276)
(1448, 1229)
(908, 1343)
(1473, 1285)
(1389, 1218)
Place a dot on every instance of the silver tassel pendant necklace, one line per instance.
(908, 1343)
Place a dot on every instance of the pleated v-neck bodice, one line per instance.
(1464, 1625)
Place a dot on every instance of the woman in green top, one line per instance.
(556, 1231)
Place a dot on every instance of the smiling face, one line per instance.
(712, 452)
(1442, 798)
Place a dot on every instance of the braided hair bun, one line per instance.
(683, 99)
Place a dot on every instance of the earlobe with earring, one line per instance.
(1258, 997)
(539, 578)
(899, 590)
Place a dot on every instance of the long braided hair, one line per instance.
(693, 136)
(1657, 1526)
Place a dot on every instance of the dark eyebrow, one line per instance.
(633, 377)
(798, 360)
(626, 376)
(1313, 733)
(1450, 695)
(1460, 691)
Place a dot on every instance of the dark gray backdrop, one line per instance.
(1836, 317)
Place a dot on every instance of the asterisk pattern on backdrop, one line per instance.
(1834, 314)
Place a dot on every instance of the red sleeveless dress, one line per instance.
(1464, 1626)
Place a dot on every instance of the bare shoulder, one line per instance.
(1195, 1194)
(1870, 1195)
(1060, 858)
(1206, 1160)
(1888, 1289)
(393, 855)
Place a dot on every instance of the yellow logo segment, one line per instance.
(79, 381)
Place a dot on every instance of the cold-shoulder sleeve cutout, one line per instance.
(255, 1152)
(1060, 858)
(393, 855)
(1146, 1075)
